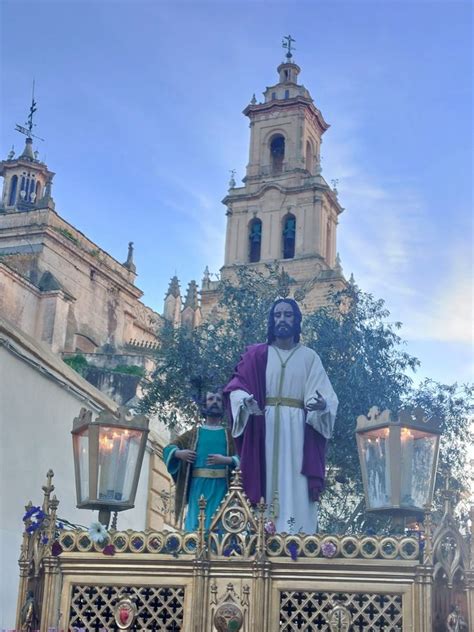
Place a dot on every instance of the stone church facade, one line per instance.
(55, 283)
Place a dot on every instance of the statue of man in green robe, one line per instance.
(200, 462)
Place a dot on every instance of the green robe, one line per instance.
(204, 440)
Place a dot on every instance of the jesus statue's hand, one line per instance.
(189, 456)
(316, 402)
(252, 406)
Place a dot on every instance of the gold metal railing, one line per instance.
(236, 577)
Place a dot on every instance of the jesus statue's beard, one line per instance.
(283, 330)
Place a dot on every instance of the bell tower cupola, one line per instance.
(288, 71)
(26, 180)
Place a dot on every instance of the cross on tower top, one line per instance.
(287, 43)
(28, 130)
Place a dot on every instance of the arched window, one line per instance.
(255, 240)
(277, 153)
(38, 190)
(289, 236)
(23, 188)
(32, 189)
(13, 188)
(309, 157)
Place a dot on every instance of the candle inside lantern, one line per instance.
(377, 460)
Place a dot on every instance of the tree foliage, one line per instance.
(190, 361)
(363, 354)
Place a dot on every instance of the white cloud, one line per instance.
(447, 315)
(390, 240)
(203, 213)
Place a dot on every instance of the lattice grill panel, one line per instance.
(309, 611)
(159, 608)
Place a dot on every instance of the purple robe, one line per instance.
(250, 376)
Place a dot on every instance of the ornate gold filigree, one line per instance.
(94, 607)
(304, 610)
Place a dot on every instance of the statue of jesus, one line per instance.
(283, 411)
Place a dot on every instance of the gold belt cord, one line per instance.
(207, 472)
(285, 401)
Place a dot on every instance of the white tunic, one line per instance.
(284, 438)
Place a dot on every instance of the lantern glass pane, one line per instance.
(118, 456)
(81, 442)
(418, 450)
(376, 456)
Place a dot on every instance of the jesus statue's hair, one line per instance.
(297, 319)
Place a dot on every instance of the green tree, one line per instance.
(363, 354)
(190, 361)
(453, 406)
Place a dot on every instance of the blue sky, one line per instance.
(140, 106)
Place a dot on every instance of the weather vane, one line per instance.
(28, 130)
(286, 43)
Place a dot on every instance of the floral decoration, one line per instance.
(293, 550)
(109, 549)
(98, 533)
(328, 549)
(270, 527)
(33, 519)
(56, 548)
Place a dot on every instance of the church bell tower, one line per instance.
(27, 181)
(285, 212)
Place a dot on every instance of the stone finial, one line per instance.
(232, 179)
(129, 263)
(206, 279)
(47, 199)
(334, 183)
(338, 266)
(28, 150)
(253, 100)
(11, 153)
(174, 289)
(191, 299)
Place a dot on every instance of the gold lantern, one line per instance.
(398, 459)
(108, 455)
